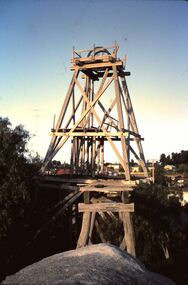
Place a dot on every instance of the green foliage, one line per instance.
(175, 158)
(54, 164)
(17, 169)
(165, 159)
(160, 234)
(160, 178)
(178, 158)
(15, 174)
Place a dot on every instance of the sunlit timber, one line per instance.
(90, 121)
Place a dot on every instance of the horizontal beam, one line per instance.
(112, 138)
(91, 181)
(94, 58)
(93, 133)
(89, 134)
(104, 189)
(97, 65)
(85, 188)
(105, 207)
(114, 182)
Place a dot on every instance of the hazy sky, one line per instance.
(36, 40)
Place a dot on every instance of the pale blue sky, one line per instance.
(36, 40)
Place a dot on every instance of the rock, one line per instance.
(100, 264)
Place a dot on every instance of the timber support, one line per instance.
(97, 114)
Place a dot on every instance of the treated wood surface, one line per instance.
(105, 188)
(97, 65)
(84, 235)
(90, 134)
(104, 207)
(129, 233)
(91, 181)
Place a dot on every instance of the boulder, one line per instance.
(100, 264)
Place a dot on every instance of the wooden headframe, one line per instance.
(95, 113)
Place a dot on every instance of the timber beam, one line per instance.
(97, 66)
(93, 134)
(105, 207)
(105, 188)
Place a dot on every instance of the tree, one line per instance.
(17, 168)
(12, 173)
(160, 235)
(175, 158)
(163, 159)
(159, 175)
(55, 164)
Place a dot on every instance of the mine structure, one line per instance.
(97, 116)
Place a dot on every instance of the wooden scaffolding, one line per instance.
(97, 111)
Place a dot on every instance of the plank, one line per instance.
(114, 182)
(97, 65)
(105, 207)
(93, 58)
(129, 233)
(84, 234)
(87, 181)
(104, 188)
(89, 134)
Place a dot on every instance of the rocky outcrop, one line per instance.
(100, 264)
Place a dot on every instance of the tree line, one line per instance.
(175, 158)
